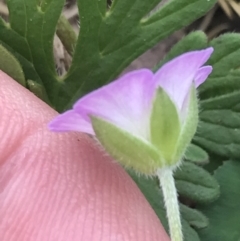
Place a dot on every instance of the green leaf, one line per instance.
(193, 41)
(22, 55)
(165, 126)
(38, 90)
(227, 50)
(225, 212)
(189, 233)
(219, 129)
(10, 65)
(110, 42)
(13, 41)
(128, 150)
(194, 217)
(196, 184)
(225, 62)
(109, 39)
(29, 37)
(196, 155)
(17, 16)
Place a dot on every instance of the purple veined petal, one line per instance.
(70, 121)
(202, 75)
(125, 102)
(176, 76)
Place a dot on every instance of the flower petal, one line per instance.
(176, 76)
(202, 75)
(125, 102)
(70, 121)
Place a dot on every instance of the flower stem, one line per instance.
(171, 203)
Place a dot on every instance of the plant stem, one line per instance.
(171, 203)
(66, 34)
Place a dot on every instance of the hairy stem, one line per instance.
(171, 203)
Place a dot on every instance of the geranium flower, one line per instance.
(144, 120)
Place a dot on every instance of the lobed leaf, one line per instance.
(110, 39)
(196, 184)
(220, 96)
(115, 38)
(196, 155)
(194, 217)
(225, 212)
(30, 39)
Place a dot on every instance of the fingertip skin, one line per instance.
(61, 186)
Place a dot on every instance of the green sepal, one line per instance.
(189, 126)
(165, 125)
(128, 150)
(10, 65)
